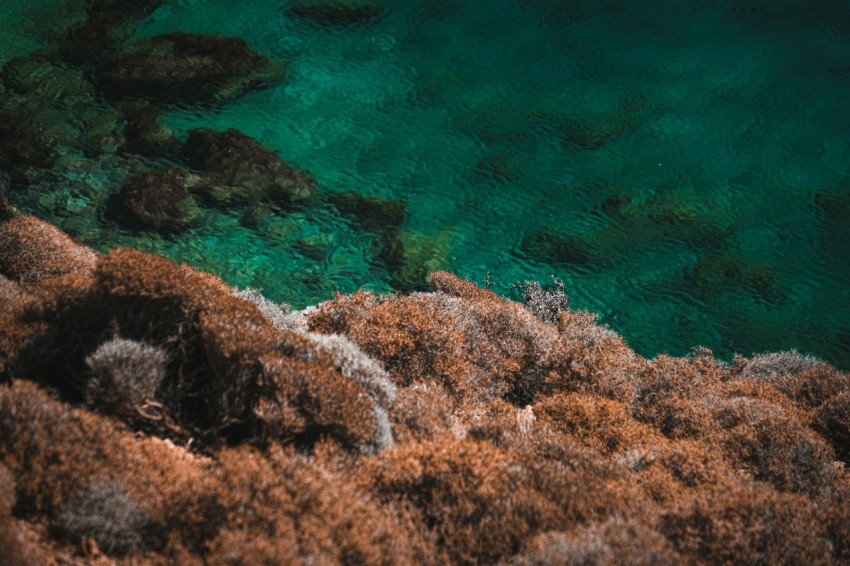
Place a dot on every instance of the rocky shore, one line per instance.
(151, 414)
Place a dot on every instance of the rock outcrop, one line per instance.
(186, 67)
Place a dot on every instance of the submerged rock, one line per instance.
(186, 67)
(716, 274)
(411, 255)
(235, 169)
(558, 248)
(335, 13)
(38, 77)
(101, 132)
(107, 24)
(160, 199)
(24, 141)
(371, 212)
(144, 134)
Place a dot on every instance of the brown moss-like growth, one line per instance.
(231, 374)
(12, 542)
(32, 250)
(151, 414)
(752, 525)
(476, 344)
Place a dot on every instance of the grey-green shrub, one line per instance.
(773, 365)
(281, 316)
(353, 363)
(349, 360)
(124, 375)
(108, 514)
(545, 304)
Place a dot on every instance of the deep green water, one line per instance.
(684, 167)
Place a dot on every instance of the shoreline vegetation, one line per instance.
(150, 413)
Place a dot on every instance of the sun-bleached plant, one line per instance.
(545, 304)
(107, 513)
(349, 360)
(773, 365)
(125, 374)
(280, 315)
(354, 364)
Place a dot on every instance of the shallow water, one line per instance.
(684, 168)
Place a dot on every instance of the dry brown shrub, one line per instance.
(615, 541)
(229, 370)
(13, 546)
(32, 250)
(290, 508)
(504, 425)
(12, 295)
(246, 547)
(463, 491)
(476, 344)
(693, 464)
(178, 488)
(769, 392)
(600, 361)
(50, 448)
(452, 285)
(761, 438)
(600, 423)
(403, 332)
(832, 420)
(748, 524)
(837, 521)
(812, 388)
(306, 402)
(673, 471)
(482, 502)
(57, 452)
(14, 301)
(263, 380)
(676, 395)
(424, 411)
(570, 484)
(106, 514)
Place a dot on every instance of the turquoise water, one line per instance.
(683, 167)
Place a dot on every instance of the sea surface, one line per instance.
(682, 167)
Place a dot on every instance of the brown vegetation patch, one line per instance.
(151, 414)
